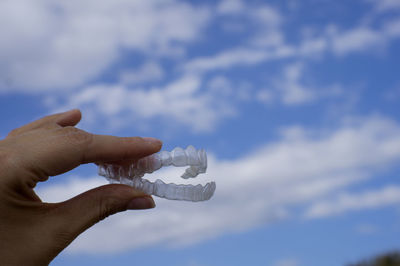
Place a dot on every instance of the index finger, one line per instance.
(63, 149)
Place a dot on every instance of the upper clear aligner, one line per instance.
(132, 174)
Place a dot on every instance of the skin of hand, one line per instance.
(33, 232)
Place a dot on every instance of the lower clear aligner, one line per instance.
(116, 174)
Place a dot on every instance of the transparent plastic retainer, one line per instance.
(132, 174)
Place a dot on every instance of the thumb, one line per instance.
(81, 212)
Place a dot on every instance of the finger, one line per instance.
(69, 118)
(66, 148)
(74, 216)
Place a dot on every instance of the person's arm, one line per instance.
(33, 232)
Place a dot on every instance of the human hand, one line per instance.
(33, 232)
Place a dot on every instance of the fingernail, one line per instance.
(70, 111)
(141, 203)
(152, 140)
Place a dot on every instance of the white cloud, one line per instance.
(293, 91)
(47, 45)
(356, 40)
(302, 170)
(263, 21)
(267, 43)
(264, 96)
(236, 57)
(267, 38)
(291, 88)
(150, 71)
(346, 202)
(269, 32)
(228, 90)
(180, 102)
(264, 16)
(227, 59)
(74, 186)
(313, 46)
(363, 38)
(392, 28)
(267, 15)
(220, 84)
(386, 5)
(230, 7)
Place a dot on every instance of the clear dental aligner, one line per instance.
(132, 174)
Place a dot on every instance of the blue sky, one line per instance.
(296, 103)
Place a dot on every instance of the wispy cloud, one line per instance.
(291, 88)
(272, 46)
(74, 43)
(356, 40)
(292, 91)
(227, 59)
(304, 169)
(66, 44)
(231, 7)
(347, 202)
(148, 72)
(181, 102)
(385, 5)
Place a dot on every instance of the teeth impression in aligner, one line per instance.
(132, 174)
